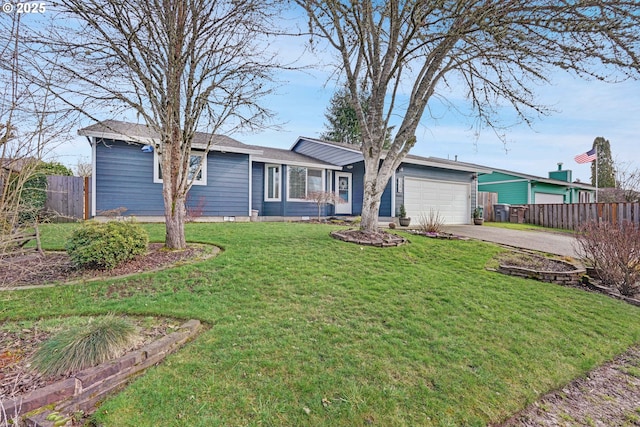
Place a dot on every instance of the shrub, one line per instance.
(107, 244)
(83, 347)
(614, 253)
(431, 223)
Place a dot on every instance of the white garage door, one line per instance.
(547, 198)
(450, 199)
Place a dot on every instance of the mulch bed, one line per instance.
(607, 396)
(533, 262)
(55, 267)
(379, 238)
(17, 347)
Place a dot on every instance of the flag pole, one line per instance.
(596, 146)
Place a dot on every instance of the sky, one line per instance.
(583, 110)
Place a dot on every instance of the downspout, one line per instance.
(93, 143)
(329, 189)
(393, 194)
(250, 186)
(529, 192)
(477, 194)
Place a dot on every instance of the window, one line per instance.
(195, 159)
(272, 183)
(302, 181)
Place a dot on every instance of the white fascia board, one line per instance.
(507, 181)
(118, 136)
(225, 149)
(156, 142)
(433, 164)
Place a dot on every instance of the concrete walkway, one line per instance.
(544, 241)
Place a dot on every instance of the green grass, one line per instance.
(307, 330)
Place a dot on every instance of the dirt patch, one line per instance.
(533, 262)
(608, 396)
(56, 267)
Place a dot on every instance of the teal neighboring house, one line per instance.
(516, 188)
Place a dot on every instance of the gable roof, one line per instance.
(528, 177)
(143, 134)
(282, 156)
(344, 154)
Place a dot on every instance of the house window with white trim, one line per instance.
(301, 181)
(196, 173)
(272, 183)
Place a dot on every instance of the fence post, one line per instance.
(87, 207)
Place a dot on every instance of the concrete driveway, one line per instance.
(544, 241)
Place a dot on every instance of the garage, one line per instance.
(451, 200)
(548, 198)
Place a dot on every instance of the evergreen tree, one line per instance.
(342, 120)
(606, 171)
(342, 123)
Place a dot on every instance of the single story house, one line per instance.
(516, 188)
(238, 180)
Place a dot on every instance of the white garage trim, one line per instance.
(450, 199)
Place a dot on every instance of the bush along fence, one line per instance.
(572, 216)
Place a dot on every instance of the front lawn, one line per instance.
(307, 330)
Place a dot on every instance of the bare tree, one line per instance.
(406, 52)
(613, 250)
(31, 124)
(83, 168)
(181, 66)
(324, 198)
(627, 181)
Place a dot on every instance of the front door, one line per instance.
(343, 190)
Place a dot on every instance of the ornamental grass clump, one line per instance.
(83, 347)
(431, 222)
(105, 245)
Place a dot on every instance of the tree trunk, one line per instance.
(370, 211)
(174, 224)
(371, 199)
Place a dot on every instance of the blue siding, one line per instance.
(227, 189)
(358, 192)
(257, 187)
(124, 178)
(326, 153)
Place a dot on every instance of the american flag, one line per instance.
(587, 157)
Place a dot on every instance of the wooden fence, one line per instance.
(486, 200)
(68, 198)
(571, 216)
